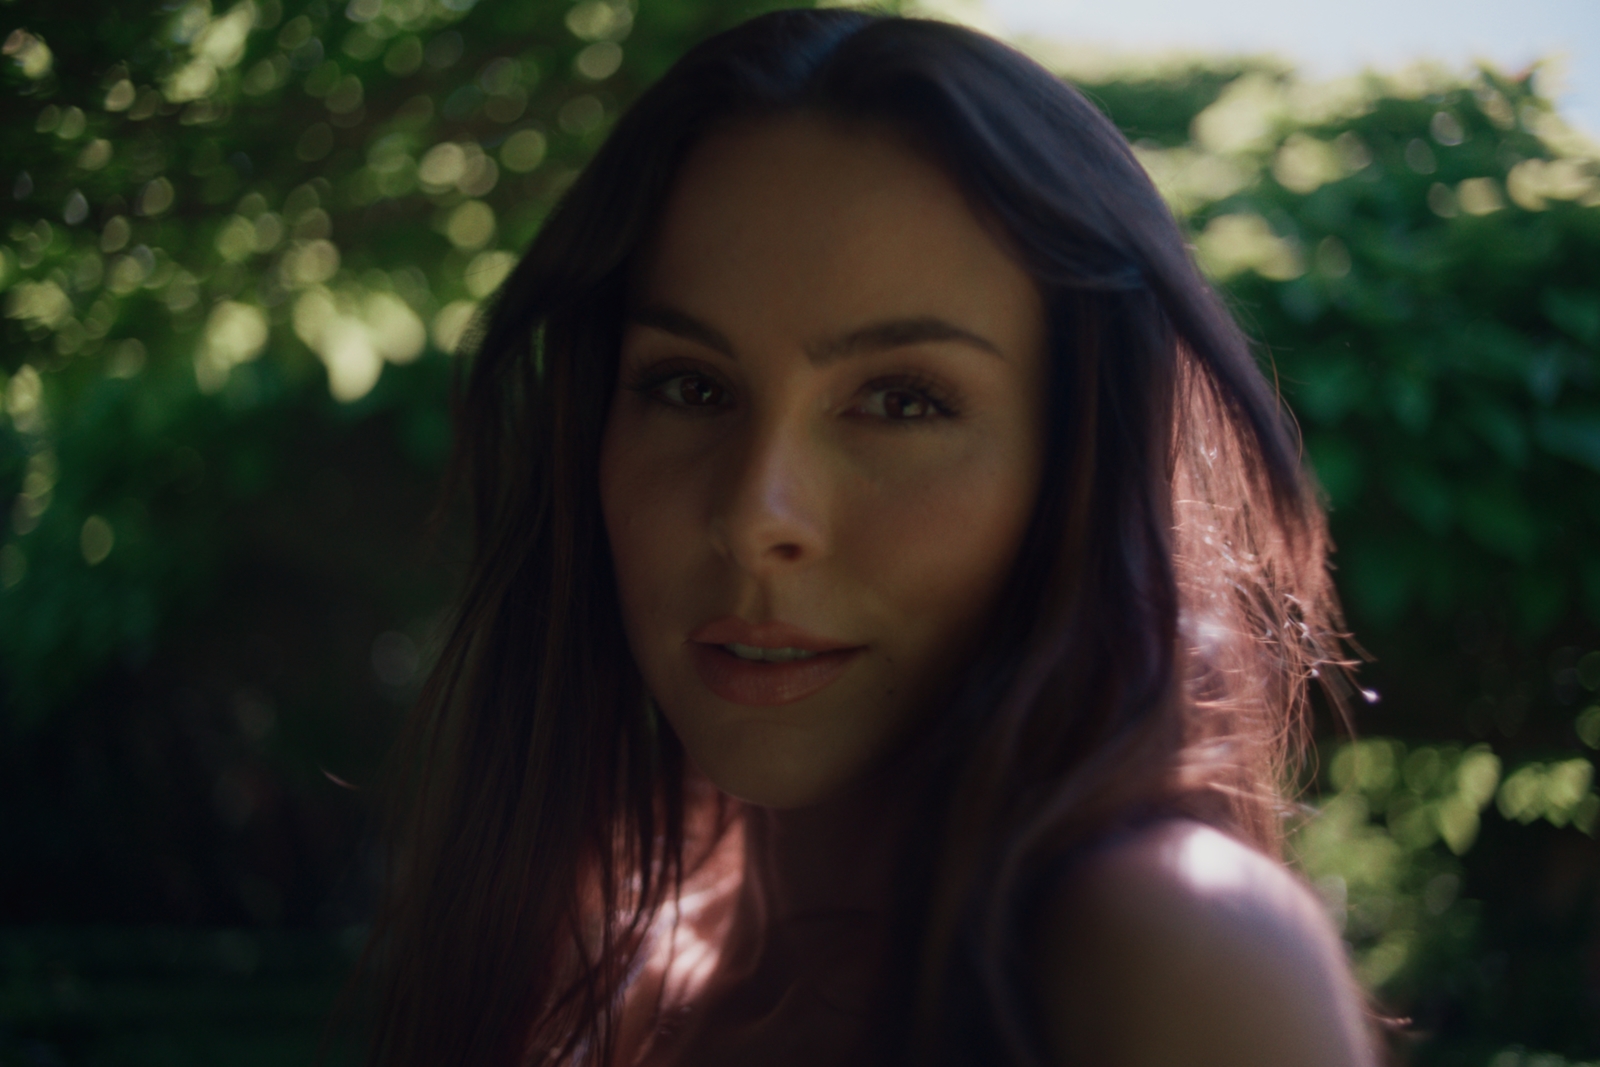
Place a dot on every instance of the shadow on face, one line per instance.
(823, 452)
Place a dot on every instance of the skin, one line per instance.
(758, 464)
(1183, 947)
(773, 454)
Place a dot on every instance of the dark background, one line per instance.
(219, 588)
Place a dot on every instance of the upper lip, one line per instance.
(732, 630)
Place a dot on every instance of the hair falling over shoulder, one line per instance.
(1169, 610)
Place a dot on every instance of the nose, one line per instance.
(771, 513)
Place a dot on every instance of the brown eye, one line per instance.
(903, 404)
(693, 391)
(899, 403)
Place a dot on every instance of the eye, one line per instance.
(900, 402)
(688, 390)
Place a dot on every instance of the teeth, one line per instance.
(768, 655)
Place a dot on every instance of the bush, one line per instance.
(1420, 257)
(242, 242)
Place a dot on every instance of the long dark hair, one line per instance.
(1169, 605)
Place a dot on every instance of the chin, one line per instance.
(761, 764)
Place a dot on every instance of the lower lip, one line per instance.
(764, 685)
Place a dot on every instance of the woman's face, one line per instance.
(823, 452)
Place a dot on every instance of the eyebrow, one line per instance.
(875, 337)
(675, 322)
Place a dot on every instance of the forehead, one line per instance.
(800, 217)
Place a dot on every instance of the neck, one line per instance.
(817, 897)
(805, 939)
(833, 858)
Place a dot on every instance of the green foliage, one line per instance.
(1419, 256)
(1394, 848)
(222, 211)
(171, 997)
(240, 242)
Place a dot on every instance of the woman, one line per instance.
(894, 592)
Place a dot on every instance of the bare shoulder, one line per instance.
(1182, 947)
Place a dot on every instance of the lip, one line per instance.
(755, 684)
(732, 630)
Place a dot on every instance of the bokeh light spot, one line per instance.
(523, 151)
(485, 273)
(599, 61)
(470, 225)
(156, 197)
(96, 540)
(581, 114)
(1479, 196)
(450, 324)
(95, 154)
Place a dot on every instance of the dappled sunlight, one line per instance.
(245, 240)
(1231, 244)
(274, 257)
(450, 324)
(235, 333)
(1382, 846)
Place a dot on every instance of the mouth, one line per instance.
(766, 664)
(755, 654)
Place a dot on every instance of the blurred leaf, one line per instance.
(1575, 311)
(1573, 435)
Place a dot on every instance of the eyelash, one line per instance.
(939, 398)
(649, 383)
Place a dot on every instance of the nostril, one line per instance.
(788, 552)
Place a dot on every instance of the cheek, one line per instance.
(943, 544)
(640, 523)
(934, 552)
(655, 492)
